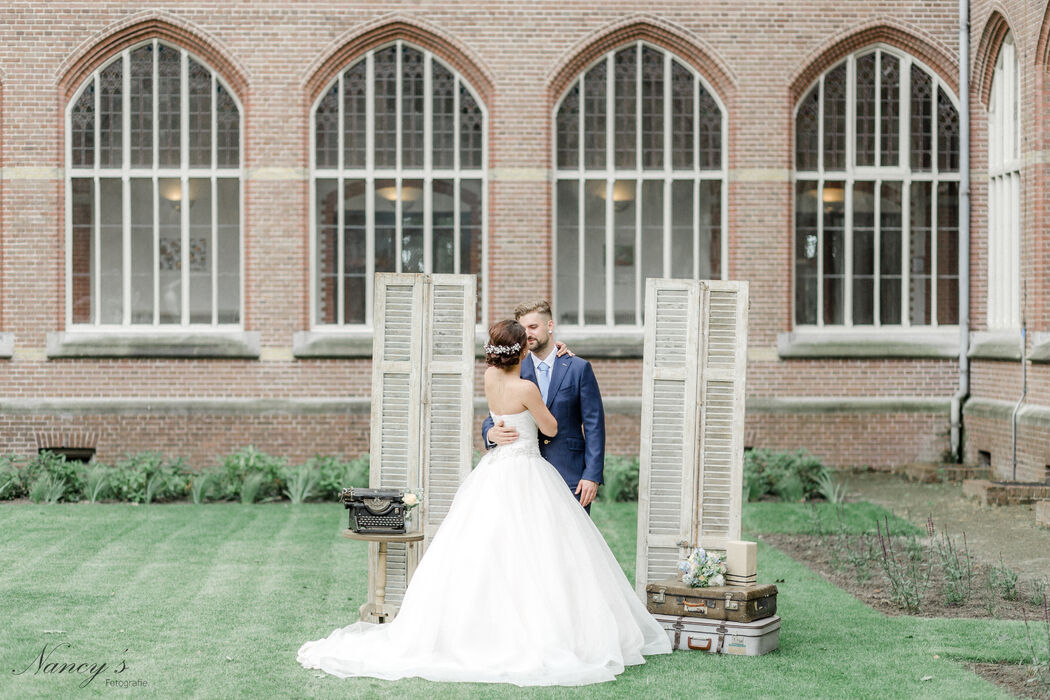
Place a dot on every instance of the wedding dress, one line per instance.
(518, 586)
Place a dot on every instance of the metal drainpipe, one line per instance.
(961, 394)
(1024, 392)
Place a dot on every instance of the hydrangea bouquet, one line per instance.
(703, 569)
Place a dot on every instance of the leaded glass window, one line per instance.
(639, 189)
(1004, 191)
(877, 196)
(398, 183)
(154, 193)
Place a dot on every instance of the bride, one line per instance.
(518, 585)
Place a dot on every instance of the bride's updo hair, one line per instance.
(506, 340)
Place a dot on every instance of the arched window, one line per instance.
(153, 193)
(1004, 191)
(398, 163)
(877, 196)
(640, 184)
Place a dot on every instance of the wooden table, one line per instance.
(378, 610)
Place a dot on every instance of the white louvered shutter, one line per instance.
(667, 477)
(397, 356)
(723, 369)
(448, 416)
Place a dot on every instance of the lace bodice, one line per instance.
(528, 433)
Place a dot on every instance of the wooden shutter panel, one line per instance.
(448, 416)
(667, 477)
(723, 369)
(397, 355)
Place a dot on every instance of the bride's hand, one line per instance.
(563, 349)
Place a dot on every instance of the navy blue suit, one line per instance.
(578, 450)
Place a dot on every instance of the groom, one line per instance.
(571, 393)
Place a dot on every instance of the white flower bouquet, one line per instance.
(703, 569)
(412, 499)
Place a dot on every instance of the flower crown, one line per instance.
(502, 349)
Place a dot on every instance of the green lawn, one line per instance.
(214, 601)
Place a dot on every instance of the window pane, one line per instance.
(228, 129)
(595, 194)
(327, 250)
(710, 229)
(569, 129)
(652, 251)
(470, 208)
(834, 253)
(947, 133)
(385, 147)
(141, 111)
(596, 86)
(866, 109)
(444, 107)
(201, 255)
(864, 253)
(169, 94)
(624, 226)
(807, 195)
(82, 124)
(890, 253)
(228, 253)
(682, 93)
(199, 114)
(470, 123)
(920, 255)
(948, 253)
(355, 108)
(807, 131)
(890, 99)
(835, 119)
(83, 221)
(141, 250)
(682, 228)
(110, 117)
(412, 226)
(111, 250)
(921, 119)
(385, 228)
(355, 264)
(443, 225)
(412, 95)
(326, 125)
(568, 254)
(652, 108)
(169, 267)
(710, 132)
(625, 83)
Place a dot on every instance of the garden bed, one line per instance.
(1001, 493)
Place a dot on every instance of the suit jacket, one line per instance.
(578, 450)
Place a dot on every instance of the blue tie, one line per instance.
(544, 379)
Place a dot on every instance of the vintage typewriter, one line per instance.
(378, 511)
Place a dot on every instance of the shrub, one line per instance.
(248, 461)
(301, 483)
(621, 478)
(251, 487)
(47, 488)
(96, 487)
(148, 476)
(334, 474)
(11, 484)
(55, 465)
(831, 490)
(790, 475)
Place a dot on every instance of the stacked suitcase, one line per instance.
(717, 619)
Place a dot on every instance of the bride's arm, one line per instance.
(533, 401)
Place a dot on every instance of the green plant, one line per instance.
(831, 490)
(11, 477)
(251, 487)
(1003, 579)
(146, 477)
(909, 577)
(788, 485)
(1038, 589)
(1039, 665)
(334, 474)
(247, 461)
(957, 565)
(301, 483)
(47, 488)
(96, 486)
(56, 466)
(790, 475)
(621, 478)
(200, 486)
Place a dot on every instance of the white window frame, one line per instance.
(610, 173)
(183, 172)
(877, 174)
(370, 173)
(1004, 186)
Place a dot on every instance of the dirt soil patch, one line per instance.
(1013, 678)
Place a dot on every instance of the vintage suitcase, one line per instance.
(722, 636)
(737, 603)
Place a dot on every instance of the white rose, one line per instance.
(411, 500)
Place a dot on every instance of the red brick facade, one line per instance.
(759, 57)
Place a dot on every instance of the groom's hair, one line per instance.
(527, 307)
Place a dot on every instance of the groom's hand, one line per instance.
(502, 435)
(586, 490)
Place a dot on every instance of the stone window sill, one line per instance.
(848, 343)
(1040, 348)
(996, 345)
(7, 346)
(153, 342)
(602, 342)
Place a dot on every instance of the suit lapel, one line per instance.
(561, 368)
(528, 370)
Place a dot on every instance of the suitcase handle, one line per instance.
(704, 647)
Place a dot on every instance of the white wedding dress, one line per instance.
(518, 586)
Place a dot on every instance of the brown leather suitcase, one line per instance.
(735, 603)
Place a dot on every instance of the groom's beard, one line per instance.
(542, 350)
